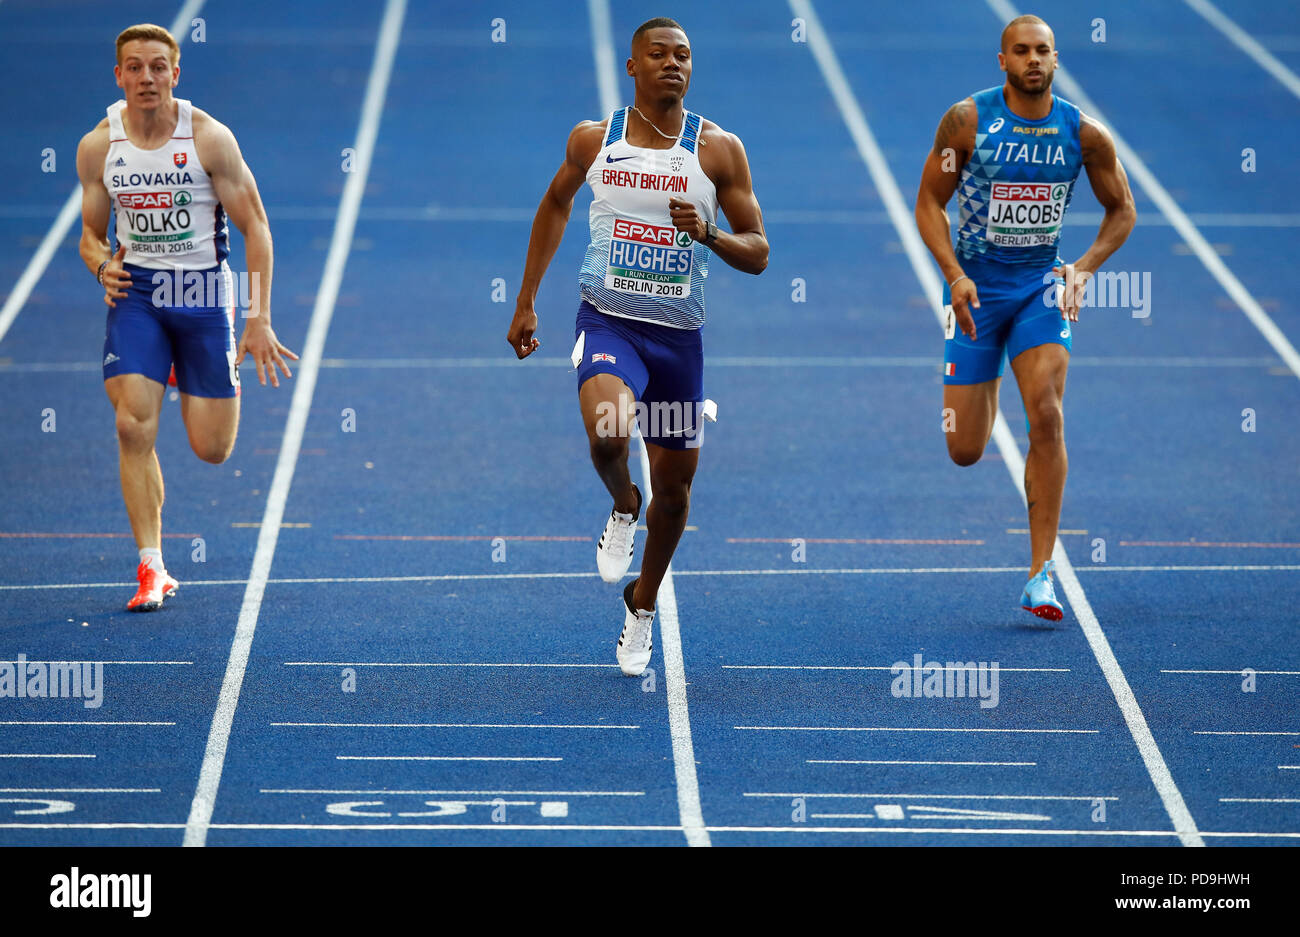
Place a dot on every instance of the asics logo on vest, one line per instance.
(996, 125)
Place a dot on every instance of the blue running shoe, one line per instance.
(1039, 597)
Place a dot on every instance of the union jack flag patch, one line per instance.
(600, 356)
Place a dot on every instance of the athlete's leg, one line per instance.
(969, 413)
(608, 414)
(1040, 372)
(211, 423)
(137, 402)
(671, 473)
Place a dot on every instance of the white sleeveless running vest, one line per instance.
(638, 265)
(168, 215)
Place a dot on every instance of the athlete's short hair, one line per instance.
(659, 22)
(1027, 20)
(149, 32)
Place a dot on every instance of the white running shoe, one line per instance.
(614, 551)
(636, 642)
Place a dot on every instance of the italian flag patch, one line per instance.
(949, 368)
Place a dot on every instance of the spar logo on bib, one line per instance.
(1026, 214)
(649, 259)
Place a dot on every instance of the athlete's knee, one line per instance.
(965, 455)
(1046, 421)
(606, 449)
(134, 432)
(672, 501)
(214, 451)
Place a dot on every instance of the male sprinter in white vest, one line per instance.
(659, 174)
(171, 174)
(1016, 151)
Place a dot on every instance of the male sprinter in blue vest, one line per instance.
(171, 174)
(1016, 151)
(659, 174)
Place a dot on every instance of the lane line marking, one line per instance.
(679, 720)
(912, 729)
(74, 722)
(985, 764)
(947, 796)
(871, 540)
(1259, 800)
(1243, 733)
(474, 793)
(887, 186)
(80, 790)
(1204, 543)
(446, 758)
(70, 211)
(30, 755)
(874, 667)
(438, 725)
(1279, 673)
(877, 571)
(1170, 208)
(1247, 43)
(330, 663)
(214, 756)
(591, 828)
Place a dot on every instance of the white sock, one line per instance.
(152, 557)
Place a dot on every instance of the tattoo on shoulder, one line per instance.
(953, 124)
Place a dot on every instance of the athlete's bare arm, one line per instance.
(953, 144)
(1110, 185)
(548, 229)
(723, 159)
(236, 189)
(96, 208)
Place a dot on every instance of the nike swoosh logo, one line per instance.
(610, 159)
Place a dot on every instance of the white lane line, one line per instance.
(912, 729)
(440, 725)
(1206, 732)
(214, 756)
(1239, 671)
(874, 667)
(1177, 217)
(1247, 43)
(679, 720)
(983, 764)
(1288, 767)
(581, 828)
(80, 722)
(924, 269)
(29, 755)
(944, 796)
(865, 571)
(335, 663)
(1259, 800)
(289, 790)
(80, 790)
(70, 211)
(150, 663)
(446, 758)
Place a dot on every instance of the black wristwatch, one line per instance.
(710, 232)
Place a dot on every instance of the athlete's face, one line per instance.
(1029, 58)
(661, 64)
(146, 73)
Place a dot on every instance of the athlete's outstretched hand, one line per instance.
(964, 299)
(116, 280)
(522, 327)
(1072, 294)
(259, 341)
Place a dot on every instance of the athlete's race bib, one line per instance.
(1026, 214)
(649, 260)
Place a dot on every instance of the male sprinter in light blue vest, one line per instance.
(1012, 154)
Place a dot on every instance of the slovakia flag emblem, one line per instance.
(178, 159)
